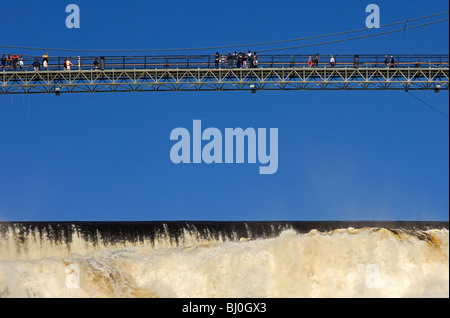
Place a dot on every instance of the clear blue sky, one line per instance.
(361, 155)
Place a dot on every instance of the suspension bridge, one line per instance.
(165, 71)
(202, 73)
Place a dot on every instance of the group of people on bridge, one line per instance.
(231, 60)
(16, 62)
(13, 62)
(237, 60)
(67, 64)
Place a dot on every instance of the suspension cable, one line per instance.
(433, 108)
(257, 44)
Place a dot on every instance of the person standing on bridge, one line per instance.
(217, 59)
(20, 62)
(9, 61)
(36, 65)
(79, 63)
(332, 61)
(255, 60)
(386, 61)
(244, 60)
(3, 62)
(45, 61)
(15, 58)
(316, 60)
(67, 64)
(392, 61)
(230, 60)
(223, 61)
(310, 61)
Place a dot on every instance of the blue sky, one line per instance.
(343, 155)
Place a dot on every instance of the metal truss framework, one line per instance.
(253, 79)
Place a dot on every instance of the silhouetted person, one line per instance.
(3, 62)
(356, 61)
(217, 59)
(230, 60)
(9, 61)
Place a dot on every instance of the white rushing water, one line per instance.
(342, 263)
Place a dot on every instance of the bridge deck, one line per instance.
(362, 73)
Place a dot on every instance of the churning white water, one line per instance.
(365, 262)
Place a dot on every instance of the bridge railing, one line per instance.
(209, 62)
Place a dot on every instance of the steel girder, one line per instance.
(252, 79)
